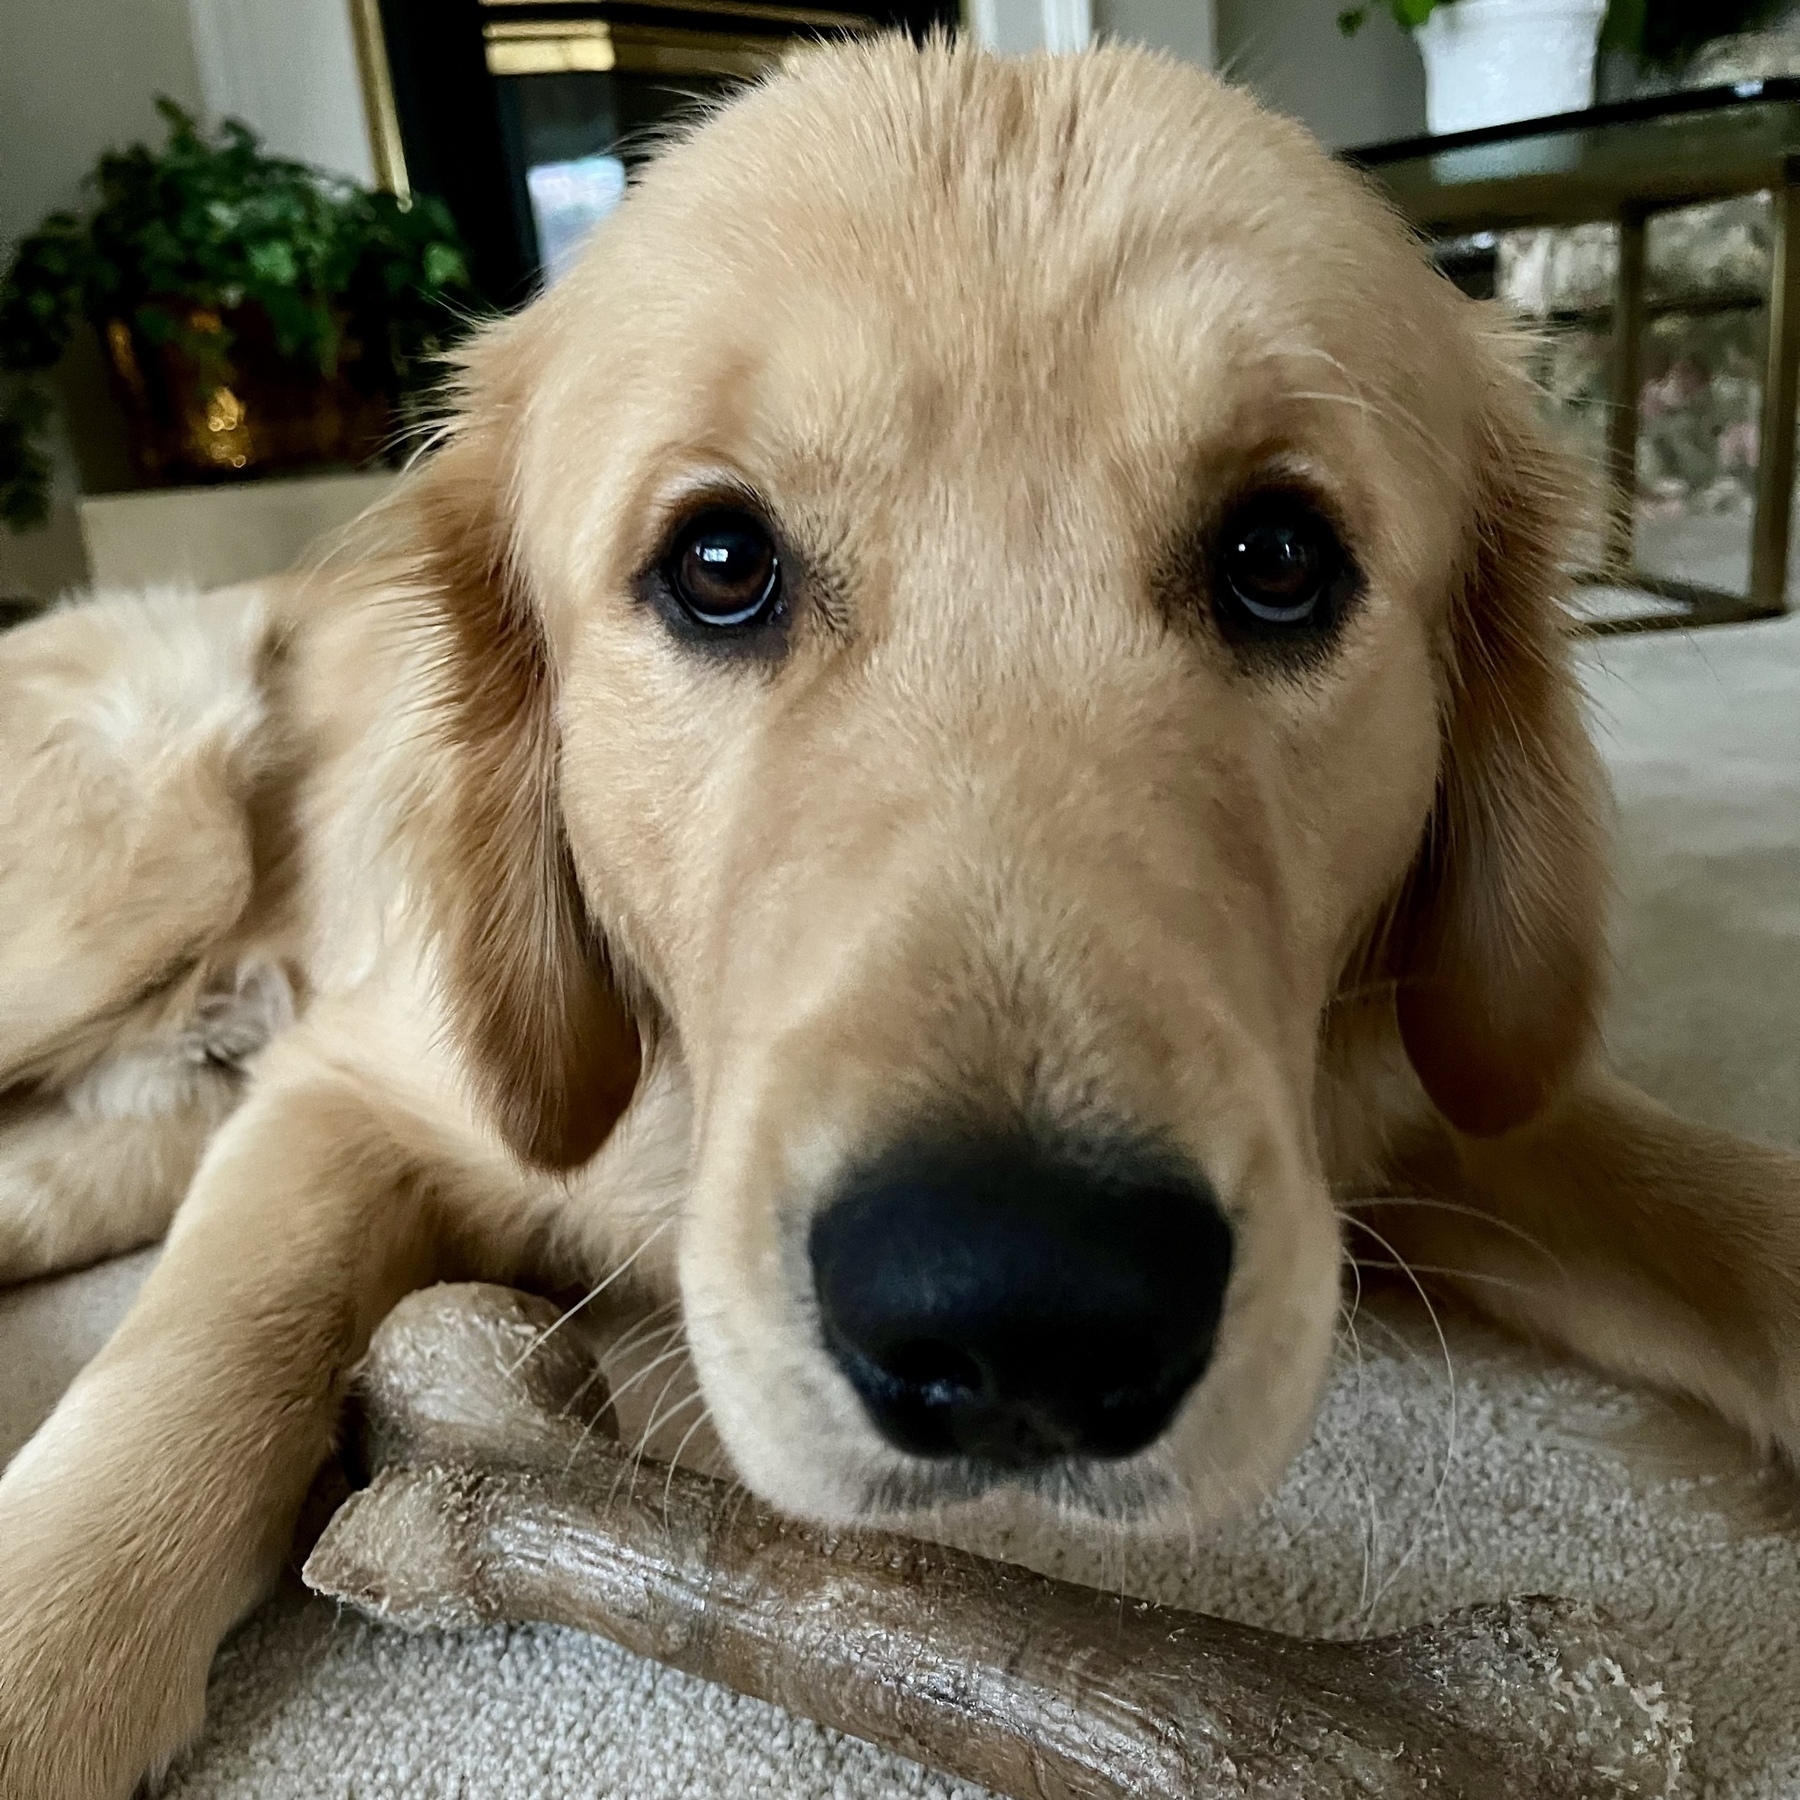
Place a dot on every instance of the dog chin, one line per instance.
(1140, 1497)
(1163, 1493)
(1137, 1496)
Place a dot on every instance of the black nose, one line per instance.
(1011, 1302)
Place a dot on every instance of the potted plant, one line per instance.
(255, 313)
(1489, 62)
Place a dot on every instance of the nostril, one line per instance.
(939, 1374)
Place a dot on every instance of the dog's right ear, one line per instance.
(536, 1014)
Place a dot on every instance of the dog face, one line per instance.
(993, 586)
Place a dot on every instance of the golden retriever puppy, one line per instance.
(970, 725)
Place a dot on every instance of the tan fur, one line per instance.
(607, 952)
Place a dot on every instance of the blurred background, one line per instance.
(236, 234)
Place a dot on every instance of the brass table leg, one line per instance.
(1781, 379)
(1627, 382)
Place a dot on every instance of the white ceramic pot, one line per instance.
(1489, 62)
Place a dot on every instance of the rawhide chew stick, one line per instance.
(498, 1495)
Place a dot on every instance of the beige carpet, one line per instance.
(1431, 1480)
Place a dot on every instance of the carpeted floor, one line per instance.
(1440, 1473)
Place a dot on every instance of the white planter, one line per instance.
(1489, 62)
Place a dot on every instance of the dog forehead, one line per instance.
(875, 155)
(880, 241)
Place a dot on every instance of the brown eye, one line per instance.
(723, 568)
(1280, 566)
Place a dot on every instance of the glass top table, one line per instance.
(1624, 162)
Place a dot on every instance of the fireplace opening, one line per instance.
(527, 116)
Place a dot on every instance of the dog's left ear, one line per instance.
(534, 1008)
(1498, 939)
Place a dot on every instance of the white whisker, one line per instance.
(660, 1417)
(630, 1338)
(650, 1368)
(1372, 1526)
(643, 1444)
(612, 1397)
(1461, 1210)
(593, 1294)
(675, 1460)
(1448, 1274)
(1437, 1498)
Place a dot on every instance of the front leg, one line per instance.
(155, 1505)
(1659, 1250)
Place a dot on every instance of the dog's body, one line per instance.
(620, 931)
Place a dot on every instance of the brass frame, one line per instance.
(800, 17)
(548, 47)
(1781, 383)
(551, 46)
(380, 115)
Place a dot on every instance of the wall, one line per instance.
(80, 76)
(288, 68)
(1350, 91)
(1184, 26)
(77, 76)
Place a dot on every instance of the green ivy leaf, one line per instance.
(444, 266)
(274, 262)
(24, 466)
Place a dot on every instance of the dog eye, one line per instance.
(723, 568)
(1280, 566)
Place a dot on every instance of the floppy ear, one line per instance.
(534, 1008)
(1498, 939)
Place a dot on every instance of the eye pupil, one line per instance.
(1276, 559)
(724, 569)
(1279, 562)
